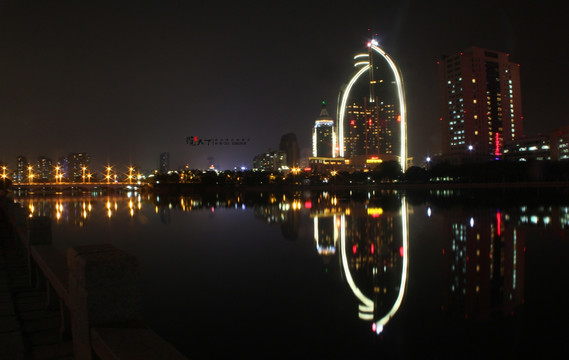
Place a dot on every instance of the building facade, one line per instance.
(481, 107)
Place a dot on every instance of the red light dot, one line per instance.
(354, 249)
(401, 251)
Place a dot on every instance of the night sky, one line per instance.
(126, 81)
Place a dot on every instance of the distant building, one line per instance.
(324, 135)
(270, 161)
(528, 148)
(63, 164)
(289, 145)
(21, 173)
(164, 165)
(44, 169)
(559, 141)
(481, 104)
(78, 166)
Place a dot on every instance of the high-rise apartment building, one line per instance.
(481, 107)
(324, 135)
(78, 167)
(21, 173)
(44, 169)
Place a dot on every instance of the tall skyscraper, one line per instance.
(371, 115)
(289, 145)
(324, 135)
(164, 165)
(481, 105)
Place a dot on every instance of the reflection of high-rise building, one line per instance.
(371, 125)
(44, 169)
(485, 258)
(324, 135)
(481, 105)
(283, 213)
(289, 145)
(164, 165)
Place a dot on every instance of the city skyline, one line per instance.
(127, 82)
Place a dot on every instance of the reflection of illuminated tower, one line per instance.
(485, 258)
(371, 109)
(374, 259)
(326, 234)
(324, 135)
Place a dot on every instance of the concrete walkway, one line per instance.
(27, 329)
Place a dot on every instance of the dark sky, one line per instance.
(125, 81)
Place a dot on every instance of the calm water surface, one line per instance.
(367, 275)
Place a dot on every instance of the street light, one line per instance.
(30, 174)
(108, 174)
(4, 168)
(57, 179)
(84, 168)
(130, 170)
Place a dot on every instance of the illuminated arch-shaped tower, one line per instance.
(365, 67)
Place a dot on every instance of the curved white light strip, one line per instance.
(343, 109)
(360, 55)
(361, 63)
(364, 299)
(402, 107)
(404, 230)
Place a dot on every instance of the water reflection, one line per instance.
(372, 241)
(485, 254)
(480, 249)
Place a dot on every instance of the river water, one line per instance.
(367, 275)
